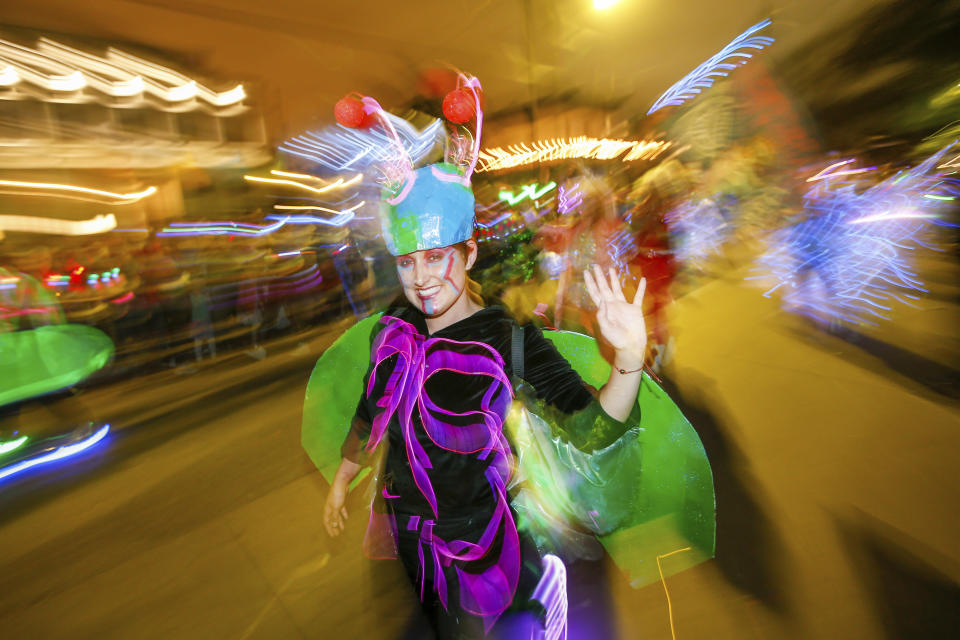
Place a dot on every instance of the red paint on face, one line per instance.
(433, 279)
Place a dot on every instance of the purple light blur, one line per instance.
(551, 592)
(718, 66)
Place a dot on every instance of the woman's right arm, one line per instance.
(335, 510)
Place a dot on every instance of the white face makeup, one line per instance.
(434, 279)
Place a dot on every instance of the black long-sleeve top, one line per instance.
(458, 480)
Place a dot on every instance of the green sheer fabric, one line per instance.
(646, 493)
(38, 361)
(332, 394)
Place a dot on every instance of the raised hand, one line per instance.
(621, 323)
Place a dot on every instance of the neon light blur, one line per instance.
(59, 453)
(338, 184)
(852, 258)
(220, 228)
(288, 207)
(12, 445)
(57, 67)
(339, 148)
(52, 186)
(551, 592)
(517, 155)
(56, 226)
(718, 66)
(337, 221)
(528, 191)
(569, 199)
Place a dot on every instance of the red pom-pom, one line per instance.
(349, 112)
(459, 106)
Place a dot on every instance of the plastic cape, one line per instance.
(648, 496)
(37, 361)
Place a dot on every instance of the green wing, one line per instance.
(335, 386)
(668, 502)
(37, 361)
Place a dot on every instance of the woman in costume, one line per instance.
(434, 402)
(436, 397)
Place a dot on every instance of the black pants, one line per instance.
(453, 622)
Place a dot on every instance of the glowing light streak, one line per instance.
(39, 69)
(952, 163)
(527, 191)
(98, 71)
(829, 173)
(551, 592)
(666, 592)
(215, 229)
(127, 297)
(340, 148)
(517, 155)
(183, 88)
(718, 66)
(569, 199)
(337, 221)
(289, 207)
(8, 76)
(622, 248)
(57, 454)
(338, 184)
(56, 226)
(7, 312)
(119, 198)
(903, 215)
(933, 197)
(57, 67)
(12, 445)
(286, 254)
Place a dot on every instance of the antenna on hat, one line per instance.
(357, 111)
(460, 106)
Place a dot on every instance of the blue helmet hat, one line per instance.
(432, 208)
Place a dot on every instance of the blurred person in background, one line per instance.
(33, 364)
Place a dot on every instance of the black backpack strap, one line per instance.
(516, 352)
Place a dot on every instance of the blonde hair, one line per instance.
(474, 288)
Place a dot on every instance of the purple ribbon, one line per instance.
(489, 593)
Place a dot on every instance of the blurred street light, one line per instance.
(601, 5)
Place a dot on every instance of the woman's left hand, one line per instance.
(621, 323)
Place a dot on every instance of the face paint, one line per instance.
(433, 280)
